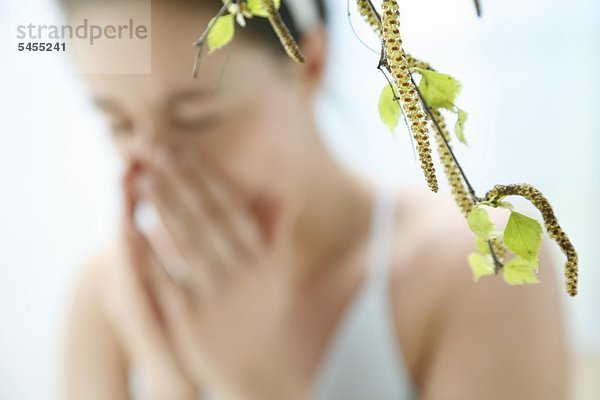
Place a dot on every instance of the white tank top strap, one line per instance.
(364, 359)
(381, 236)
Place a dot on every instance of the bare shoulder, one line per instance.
(94, 365)
(461, 336)
(430, 231)
(96, 274)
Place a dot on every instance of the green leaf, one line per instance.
(221, 32)
(481, 265)
(480, 223)
(523, 236)
(519, 272)
(459, 128)
(389, 109)
(257, 9)
(438, 90)
(482, 245)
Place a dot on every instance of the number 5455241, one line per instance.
(32, 46)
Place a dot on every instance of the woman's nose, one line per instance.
(150, 148)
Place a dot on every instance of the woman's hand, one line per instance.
(226, 315)
(134, 315)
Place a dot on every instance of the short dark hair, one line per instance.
(257, 27)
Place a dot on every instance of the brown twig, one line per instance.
(478, 8)
(202, 39)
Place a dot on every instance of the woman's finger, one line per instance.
(160, 282)
(176, 304)
(258, 222)
(200, 240)
(136, 316)
(221, 202)
(141, 247)
(144, 259)
(234, 208)
(194, 191)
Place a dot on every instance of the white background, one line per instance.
(531, 86)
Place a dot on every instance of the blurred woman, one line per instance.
(275, 272)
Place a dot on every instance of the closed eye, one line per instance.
(196, 123)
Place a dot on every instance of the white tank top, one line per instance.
(363, 360)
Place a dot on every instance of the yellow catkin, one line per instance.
(282, 31)
(409, 99)
(551, 222)
(416, 63)
(406, 88)
(459, 189)
(365, 8)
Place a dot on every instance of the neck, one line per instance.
(333, 214)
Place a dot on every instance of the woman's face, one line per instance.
(247, 110)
